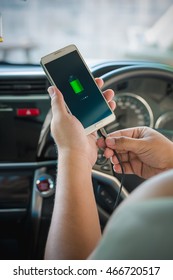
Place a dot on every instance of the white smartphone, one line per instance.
(67, 70)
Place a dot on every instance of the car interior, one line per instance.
(143, 86)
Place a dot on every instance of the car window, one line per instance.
(103, 29)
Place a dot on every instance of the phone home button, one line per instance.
(100, 124)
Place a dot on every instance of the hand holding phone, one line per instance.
(67, 70)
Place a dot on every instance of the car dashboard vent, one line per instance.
(23, 86)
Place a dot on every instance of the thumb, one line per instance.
(57, 101)
(122, 143)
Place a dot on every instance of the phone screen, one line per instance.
(80, 92)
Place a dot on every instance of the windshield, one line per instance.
(102, 29)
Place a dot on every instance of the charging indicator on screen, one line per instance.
(76, 85)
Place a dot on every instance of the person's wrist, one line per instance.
(73, 157)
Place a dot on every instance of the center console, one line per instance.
(24, 104)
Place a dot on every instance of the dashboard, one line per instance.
(28, 157)
(144, 102)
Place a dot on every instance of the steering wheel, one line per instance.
(138, 71)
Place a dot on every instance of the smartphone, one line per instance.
(67, 70)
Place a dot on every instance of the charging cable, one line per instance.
(102, 134)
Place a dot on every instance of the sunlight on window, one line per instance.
(103, 29)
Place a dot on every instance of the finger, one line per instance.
(109, 94)
(108, 153)
(120, 157)
(99, 82)
(112, 105)
(126, 168)
(133, 132)
(101, 143)
(122, 144)
(57, 102)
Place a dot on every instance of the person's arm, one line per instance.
(75, 228)
(142, 150)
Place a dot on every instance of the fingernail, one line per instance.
(114, 169)
(51, 92)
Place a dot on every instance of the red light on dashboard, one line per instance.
(28, 112)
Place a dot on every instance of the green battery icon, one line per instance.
(76, 85)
